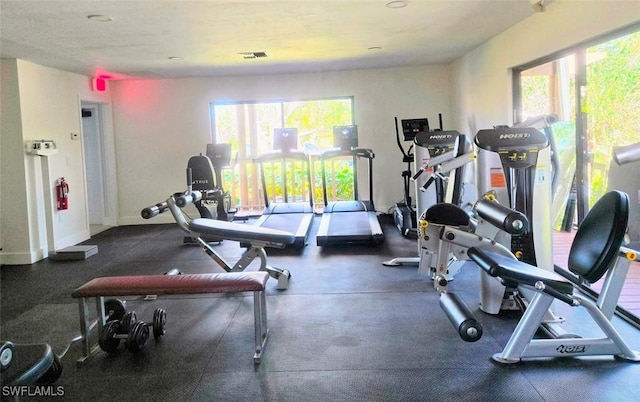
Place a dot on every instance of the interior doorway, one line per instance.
(99, 171)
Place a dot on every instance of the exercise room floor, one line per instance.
(348, 328)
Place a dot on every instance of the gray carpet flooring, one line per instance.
(346, 329)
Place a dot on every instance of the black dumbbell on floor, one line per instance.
(135, 333)
(114, 309)
(157, 324)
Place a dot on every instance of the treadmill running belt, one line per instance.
(286, 222)
(348, 223)
(349, 227)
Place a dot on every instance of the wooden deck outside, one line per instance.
(630, 296)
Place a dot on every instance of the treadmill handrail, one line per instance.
(274, 156)
(355, 152)
(284, 156)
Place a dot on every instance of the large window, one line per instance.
(248, 127)
(594, 89)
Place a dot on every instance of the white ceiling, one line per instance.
(297, 35)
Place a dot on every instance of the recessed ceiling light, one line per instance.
(100, 18)
(175, 58)
(374, 48)
(396, 4)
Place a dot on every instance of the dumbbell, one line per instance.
(135, 340)
(135, 333)
(114, 309)
(157, 324)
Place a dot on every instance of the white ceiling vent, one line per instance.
(252, 55)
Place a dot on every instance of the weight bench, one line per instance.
(257, 238)
(596, 250)
(142, 285)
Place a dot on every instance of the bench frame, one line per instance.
(86, 325)
(255, 249)
(522, 344)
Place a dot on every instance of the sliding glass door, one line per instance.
(594, 90)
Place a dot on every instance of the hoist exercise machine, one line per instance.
(597, 251)
(515, 164)
(441, 158)
(513, 221)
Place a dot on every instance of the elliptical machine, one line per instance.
(404, 212)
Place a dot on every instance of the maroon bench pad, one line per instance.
(173, 284)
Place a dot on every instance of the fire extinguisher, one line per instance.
(62, 191)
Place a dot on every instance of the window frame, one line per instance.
(250, 199)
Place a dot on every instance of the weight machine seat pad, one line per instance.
(447, 214)
(599, 236)
(512, 270)
(240, 232)
(173, 284)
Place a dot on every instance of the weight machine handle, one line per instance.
(418, 173)
(154, 210)
(182, 200)
(428, 183)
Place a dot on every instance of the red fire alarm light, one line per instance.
(99, 84)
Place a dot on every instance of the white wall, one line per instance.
(14, 235)
(48, 107)
(159, 124)
(482, 78)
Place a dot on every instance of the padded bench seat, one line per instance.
(242, 233)
(517, 271)
(173, 284)
(141, 285)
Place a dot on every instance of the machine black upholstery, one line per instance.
(599, 236)
(202, 173)
(515, 271)
(447, 214)
(594, 248)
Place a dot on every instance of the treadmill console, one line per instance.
(285, 139)
(414, 126)
(345, 137)
(219, 154)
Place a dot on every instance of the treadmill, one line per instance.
(351, 221)
(290, 213)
